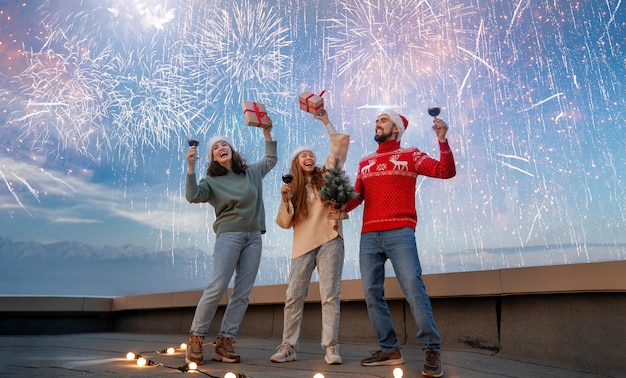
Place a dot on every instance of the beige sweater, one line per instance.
(316, 229)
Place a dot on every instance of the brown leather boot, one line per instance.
(225, 350)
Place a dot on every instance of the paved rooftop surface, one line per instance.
(103, 355)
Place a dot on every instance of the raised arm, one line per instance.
(338, 142)
(445, 167)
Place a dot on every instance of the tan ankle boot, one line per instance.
(194, 349)
(225, 350)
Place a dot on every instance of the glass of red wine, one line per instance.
(287, 179)
(193, 143)
(434, 112)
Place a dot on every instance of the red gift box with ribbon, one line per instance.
(255, 114)
(311, 103)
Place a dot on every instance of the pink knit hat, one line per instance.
(399, 120)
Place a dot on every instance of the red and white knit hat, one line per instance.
(399, 120)
(215, 139)
(298, 150)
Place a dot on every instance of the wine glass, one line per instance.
(434, 112)
(193, 142)
(287, 179)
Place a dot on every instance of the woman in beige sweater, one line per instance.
(317, 242)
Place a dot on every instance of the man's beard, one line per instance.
(382, 137)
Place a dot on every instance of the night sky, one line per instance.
(98, 98)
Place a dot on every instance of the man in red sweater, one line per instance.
(386, 184)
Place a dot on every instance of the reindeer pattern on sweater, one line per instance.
(386, 183)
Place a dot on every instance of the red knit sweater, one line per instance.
(386, 182)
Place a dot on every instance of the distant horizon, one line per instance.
(98, 272)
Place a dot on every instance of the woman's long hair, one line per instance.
(237, 164)
(298, 189)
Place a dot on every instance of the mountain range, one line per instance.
(70, 268)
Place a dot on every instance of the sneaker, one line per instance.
(284, 353)
(194, 349)
(380, 358)
(332, 356)
(225, 350)
(432, 364)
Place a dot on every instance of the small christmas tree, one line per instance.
(337, 190)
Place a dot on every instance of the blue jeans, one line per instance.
(234, 252)
(329, 261)
(399, 247)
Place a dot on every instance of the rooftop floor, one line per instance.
(103, 354)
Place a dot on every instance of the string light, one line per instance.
(192, 366)
(318, 375)
(230, 374)
(398, 373)
(132, 356)
(169, 350)
(141, 361)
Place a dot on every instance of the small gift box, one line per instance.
(255, 114)
(311, 103)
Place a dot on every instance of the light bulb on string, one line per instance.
(398, 373)
(132, 356)
(141, 361)
(192, 366)
(230, 374)
(169, 350)
(183, 346)
(318, 375)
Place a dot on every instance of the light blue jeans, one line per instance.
(329, 261)
(234, 252)
(399, 247)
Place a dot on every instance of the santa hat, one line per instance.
(298, 150)
(399, 120)
(215, 139)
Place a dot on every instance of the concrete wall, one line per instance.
(584, 331)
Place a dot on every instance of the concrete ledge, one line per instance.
(55, 304)
(574, 278)
(54, 315)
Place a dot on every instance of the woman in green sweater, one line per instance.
(235, 191)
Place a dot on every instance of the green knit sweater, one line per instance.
(237, 199)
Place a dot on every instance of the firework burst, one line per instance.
(151, 111)
(59, 98)
(236, 54)
(388, 47)
(118, 23)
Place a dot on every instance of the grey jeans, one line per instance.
(328, 258)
